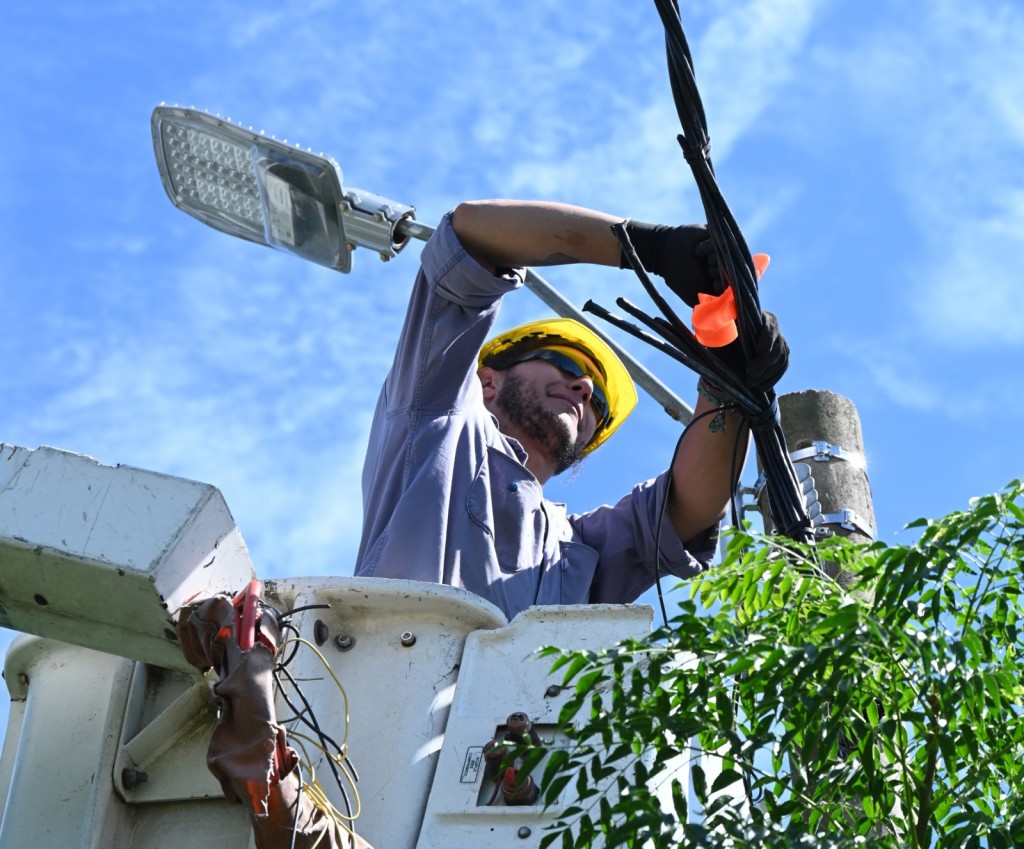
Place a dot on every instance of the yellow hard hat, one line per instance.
(612, 378)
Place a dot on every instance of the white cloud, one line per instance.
(898, 379)
(632, 163)
(746, 59)
(970, 291)
(945, 100)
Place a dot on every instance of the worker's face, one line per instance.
(550, 407)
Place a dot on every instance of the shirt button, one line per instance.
(513, 487)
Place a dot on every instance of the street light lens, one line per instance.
(213, 173)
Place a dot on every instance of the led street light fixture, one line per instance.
(262, 190)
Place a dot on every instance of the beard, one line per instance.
(522, 409)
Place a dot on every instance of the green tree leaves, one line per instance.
(887, 714)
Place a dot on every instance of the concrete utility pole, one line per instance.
(822, 430)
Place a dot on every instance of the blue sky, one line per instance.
(876, 151)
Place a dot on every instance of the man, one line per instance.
(465, 434)
(464, 438)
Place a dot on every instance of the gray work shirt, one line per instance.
(447, 497)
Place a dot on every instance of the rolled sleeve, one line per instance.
(458, 278)
(452, 308)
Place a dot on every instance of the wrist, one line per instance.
(719, 399)
(710, 392)
(647, 240)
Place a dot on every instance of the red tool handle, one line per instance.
(246, 606)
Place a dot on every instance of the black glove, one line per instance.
(769, 359)
(683, 256)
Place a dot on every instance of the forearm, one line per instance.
(705, 468)
(511, 234)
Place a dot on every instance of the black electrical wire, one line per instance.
(286, 625)
(664, 504)
(760, 409)
(294, 610)
(308, 718)
(785, 496)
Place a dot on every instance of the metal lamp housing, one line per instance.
(264, 191)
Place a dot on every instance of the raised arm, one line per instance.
(714, 450)
(513, 233)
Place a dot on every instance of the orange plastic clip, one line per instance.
(714, 317)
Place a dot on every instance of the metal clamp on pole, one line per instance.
(822, 452)
(846, 518)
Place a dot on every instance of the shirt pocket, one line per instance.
(569, 580)
(505, 500)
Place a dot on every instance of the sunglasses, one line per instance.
(565, 363)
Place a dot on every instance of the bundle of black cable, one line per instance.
(743, 372)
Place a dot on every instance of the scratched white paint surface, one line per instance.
(102, 556)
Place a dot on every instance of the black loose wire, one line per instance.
(668, 492)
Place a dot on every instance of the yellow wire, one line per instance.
(327, 666)
(319, 800)
(339, 761)
(312, 787)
